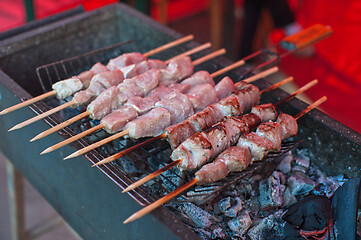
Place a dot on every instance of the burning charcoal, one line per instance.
(271, 191)
(285, 165)
(299, 183)
(230, 206)
(288, 198)
(302, 161)
(311, 214)
(240, 224)
(273, 227)
(197, 215)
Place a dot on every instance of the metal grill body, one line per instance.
(91, 200)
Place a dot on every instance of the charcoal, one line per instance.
(218, 233)
(273, 227)
(271, 191)
(241, 224)
(230, 206)
(288, 198)
(286, 163)
(197, 215)
(311, 213)
(302, 161)
(299, 183)
(325, 186)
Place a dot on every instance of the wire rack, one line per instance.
(135, 165)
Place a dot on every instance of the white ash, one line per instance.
(299, 183)
(271, 191)
(285, 165)
(240, 224)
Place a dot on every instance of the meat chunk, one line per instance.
(144, 66)
(148, 80)
(203, 120)
(67, 87)
(142, 105)
(160, 92)
(194, 152)
(201, 96)
(125, 59)
(178, 105)
(99, 83)
(267, 112)
(98, 68)
(229, 106)
(199, 77)
(177, 69)
(178, 133)
(150, 124)
(212, 172)
(289, 125)
(225, 88)
(259, 146)
(217, 136)
(248, 97)
(104, 104)
(116, 121)
(273, 132)
(179, 87)
(236, 158)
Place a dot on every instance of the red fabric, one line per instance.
(337, 62)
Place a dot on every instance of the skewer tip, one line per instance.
(48, 150)
(73, 155)
(18, 126)
(5, 111)
(37, 137)
(131, 218)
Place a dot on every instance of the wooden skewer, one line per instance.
(87, 113)
(28, 102)
(118, 155)
(111, 138)
(169, 45)
(178, 161)
(68, 104)
(53, 92)
(160, 201)
(194, 181)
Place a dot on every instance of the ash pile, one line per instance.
(291, 200)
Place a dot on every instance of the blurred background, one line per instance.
(242, 27)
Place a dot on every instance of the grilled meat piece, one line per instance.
(272, 131)
(248, 97)
(142, 105)
(289, 125)
(225, 88)
(259, 146)
(267, 112)
(177, 69)
(116, 121)
(178, 105)
(201, 96)
(150, 124)
(144, 66)
(125, 59)
(69, 86)
(199, 78)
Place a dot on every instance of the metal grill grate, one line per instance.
(134, 165)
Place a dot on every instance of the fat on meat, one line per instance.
(150, 124)
(201, 96)
(204, 119)
(115, 121)
(229, 106)
(178, 105)
(225, 88)
(125, 60)
(199, 77)
(217, 136)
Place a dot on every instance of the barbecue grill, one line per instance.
(91, 200)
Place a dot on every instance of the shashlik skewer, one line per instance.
(232, 105)
(85, 76)
(197, 78)
(110, 79)
(229, 163)
(224, 87)
(262, 113)
(81, 102)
